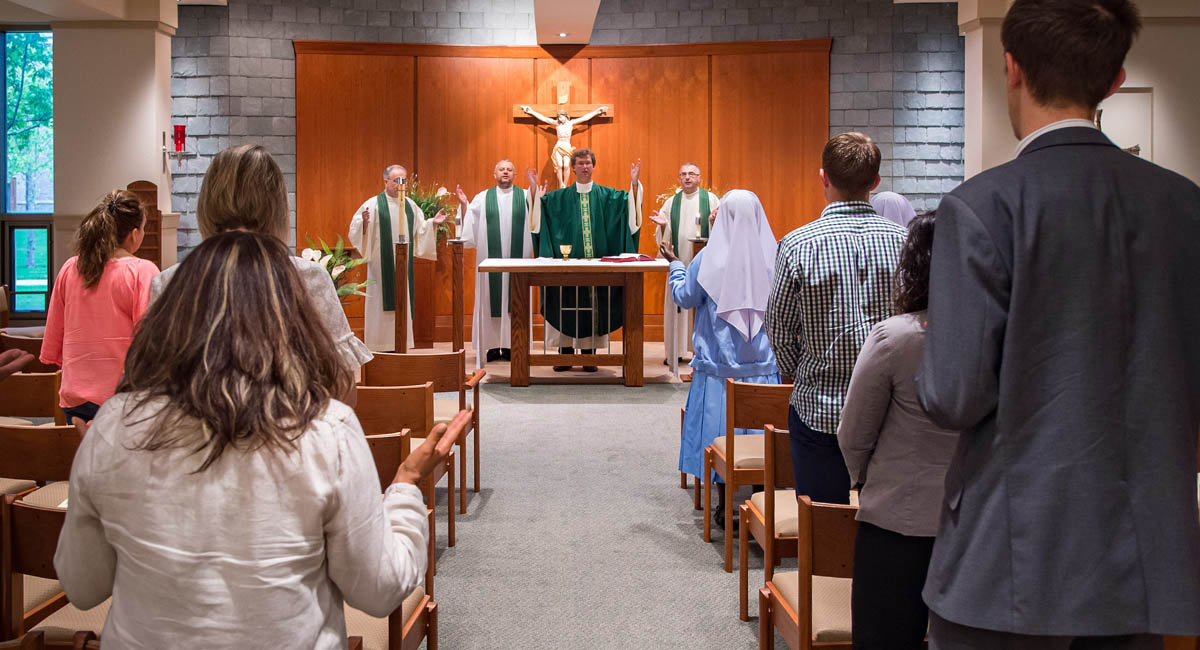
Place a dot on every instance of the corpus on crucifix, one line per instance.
(566, 118)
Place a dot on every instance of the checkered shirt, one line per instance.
(833, 282)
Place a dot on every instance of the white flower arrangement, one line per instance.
(336, 262)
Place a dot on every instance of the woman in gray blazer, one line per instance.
(898, 457)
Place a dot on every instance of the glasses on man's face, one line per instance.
(683, 174)
(399, 180)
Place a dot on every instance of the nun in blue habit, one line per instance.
(727, 283)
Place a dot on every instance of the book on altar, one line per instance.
(627, 257)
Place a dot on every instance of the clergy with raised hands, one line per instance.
(495, 224)
(593, 221)
(684, 216)
(379, 219)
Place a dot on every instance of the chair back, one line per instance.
(35, 640)
(446, 370)
(826, 540)
(389, 450)
(32, 394)
(391, 409)
(31, 345)
(778, 457)
(38, 453)
(753, 406)
(31, 537)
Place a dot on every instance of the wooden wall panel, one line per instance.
(350, 124)
(463, 108)
(661, 117)
(770, 120)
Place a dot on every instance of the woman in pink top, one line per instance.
(99, 296)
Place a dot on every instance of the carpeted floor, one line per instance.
(581, 537)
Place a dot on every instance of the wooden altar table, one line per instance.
(554, 272)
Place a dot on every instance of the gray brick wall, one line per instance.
(896, 71)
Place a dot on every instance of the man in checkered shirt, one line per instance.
(833, 281)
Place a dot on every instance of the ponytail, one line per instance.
(102, 231)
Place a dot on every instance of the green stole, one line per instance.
(491, 208)
(704, 212)
(387, 253)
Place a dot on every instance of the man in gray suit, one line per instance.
(1064, 342)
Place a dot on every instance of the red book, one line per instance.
(627, 257)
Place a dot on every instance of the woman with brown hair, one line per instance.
(244, 189)
(224, 494)
(98, 298)
(899, 458)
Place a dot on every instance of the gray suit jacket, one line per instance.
(1064, 341)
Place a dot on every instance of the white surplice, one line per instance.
(677, 322)
(633, 209)
(379, 326)
(489, 332)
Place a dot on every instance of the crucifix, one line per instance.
(567, 116)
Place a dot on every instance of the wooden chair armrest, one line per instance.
(474, 378)
(355, 643)
(405, 442)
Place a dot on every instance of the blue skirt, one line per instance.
(704, 419)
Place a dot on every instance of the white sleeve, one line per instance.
(376, 547)
(535, 214)
(663, 233)
(424, 241)
(635, 207)
(471, 216)
(356, 229)
(84, 560)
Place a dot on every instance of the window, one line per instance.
(27, 166)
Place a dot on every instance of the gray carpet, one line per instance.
(581, 537)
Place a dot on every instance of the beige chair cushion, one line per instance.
(15, 422)
(787, 518)
(374, 631)
(748, 451)
(39, 590)
(14, 485)
(49, 496)
(444, 410)
(830, 606)
(25, 332)
(64, 623)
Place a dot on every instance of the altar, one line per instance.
(553, 272)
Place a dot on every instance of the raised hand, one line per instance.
(440, 216)
(712, 217)
(433, 452)
(366, 216)
(13, 360)
(635, 171)
(658, 218)
(667, 251)
(462, 196)
(81, 426)
(531, 175)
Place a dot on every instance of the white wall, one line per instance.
(1166, 59)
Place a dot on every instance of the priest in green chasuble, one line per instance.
(595, 221)
(495, 224)
(380, 218)
(682, 218)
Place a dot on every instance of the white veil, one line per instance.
(739, 262)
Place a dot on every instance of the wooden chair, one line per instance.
(447, 371)
(3, 306)
(392, 409)
(416, 618)
(811, 606)
(768, 516)
(738, 460)
(22, 338)
(31, 641)
(30, 534)
(30, 395)
(34, 454)
(683, 476)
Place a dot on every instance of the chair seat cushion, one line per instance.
(444, 410)
(48, 496)
(64, 623)
(830, 603)
(374, 631)
(748, 451)
(14, 485)
(15, 422)
(787, 518)
(39, 590)
(25, 332)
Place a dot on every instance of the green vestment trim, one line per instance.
(704, 211)
(491, 208)
(387, 253)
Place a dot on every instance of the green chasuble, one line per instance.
(604, 232)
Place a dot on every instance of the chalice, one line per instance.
(565, 249)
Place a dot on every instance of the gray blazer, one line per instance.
(1064, 341)
(889, 444)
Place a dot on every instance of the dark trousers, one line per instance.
(86, 412)
(572, 351)
(817, 463)
(889, 574)
(944, 635)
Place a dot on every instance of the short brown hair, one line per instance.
(1070, 51)
(243, 188)
(581, 152)
(851, 162)
(230, 355)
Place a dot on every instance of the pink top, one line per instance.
(88, 331)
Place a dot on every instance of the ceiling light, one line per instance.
(562, 34)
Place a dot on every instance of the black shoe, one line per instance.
(493, 355)
(590, 369)
(561, 368)
(719, 518)
(506, 354)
